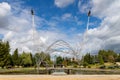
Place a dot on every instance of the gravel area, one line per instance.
(58, 77)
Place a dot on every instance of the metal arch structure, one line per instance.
(60, 46)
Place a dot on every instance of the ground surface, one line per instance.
(65, 77)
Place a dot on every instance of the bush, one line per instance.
(85, 64)
(111, 67)
(89, 66)
(8, 67)
(102, 67)
(75, 66)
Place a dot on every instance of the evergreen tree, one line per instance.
(59, 60)
(88, 58)
(26, 59)
(9, 62)
(118, 58)
(15, 58)
(4, 53)
(104, 55)
(100, 59)
(108, 56)
(33, 59)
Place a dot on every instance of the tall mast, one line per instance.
(33, 30)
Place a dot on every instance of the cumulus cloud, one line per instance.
(8, 19)
(84, 6)
(4, 9)
(17, 29)
(105, 8)
(4, 14)
(14, 27)
(63, 3)
(107, 35)
(66, 16)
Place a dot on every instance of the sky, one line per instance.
(61, 20)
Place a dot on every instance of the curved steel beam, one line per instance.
(59, 43)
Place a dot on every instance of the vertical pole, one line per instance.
(86, 32)
(33, 38)
(33, 27)
(88, 24)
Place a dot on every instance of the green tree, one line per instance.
(100, 59)
(112, 56)
(33, 59)
(104, 55)
(118, 58)
(64, 62)
(88, 58)
(4, 53)
(40, 57)
(68, 61)
(85, 64)
(59, 60)
(96, 59)
(9, 62)
(15, 58)
(26, 59)
(108, 56)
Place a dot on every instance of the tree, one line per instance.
(118, 58)
(33, 59)
(68, 61)
(15, 58)
(104, 55)
(100, 59)
(26, 59)
(108, 56)
(64, 62)
(59, 60)
(47, 60)
(42, 57)
(85, 64)
(4, 53)
(112, 56)
(88, 58)
(9, 62)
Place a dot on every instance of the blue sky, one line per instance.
(61, 19)
(48, 10)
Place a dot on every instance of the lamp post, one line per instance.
(38, 62)
(85, 34)
(33, 29)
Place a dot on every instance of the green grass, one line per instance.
(29, 70)
(17, 70)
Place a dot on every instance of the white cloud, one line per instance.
(18, 31)
(4, 9)
(63, 3)
(70, 18)
(66, 16)
(15, 27)
(106, 36)
(105, 8)
(9, 35)
(4, 14)
(84, 6)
